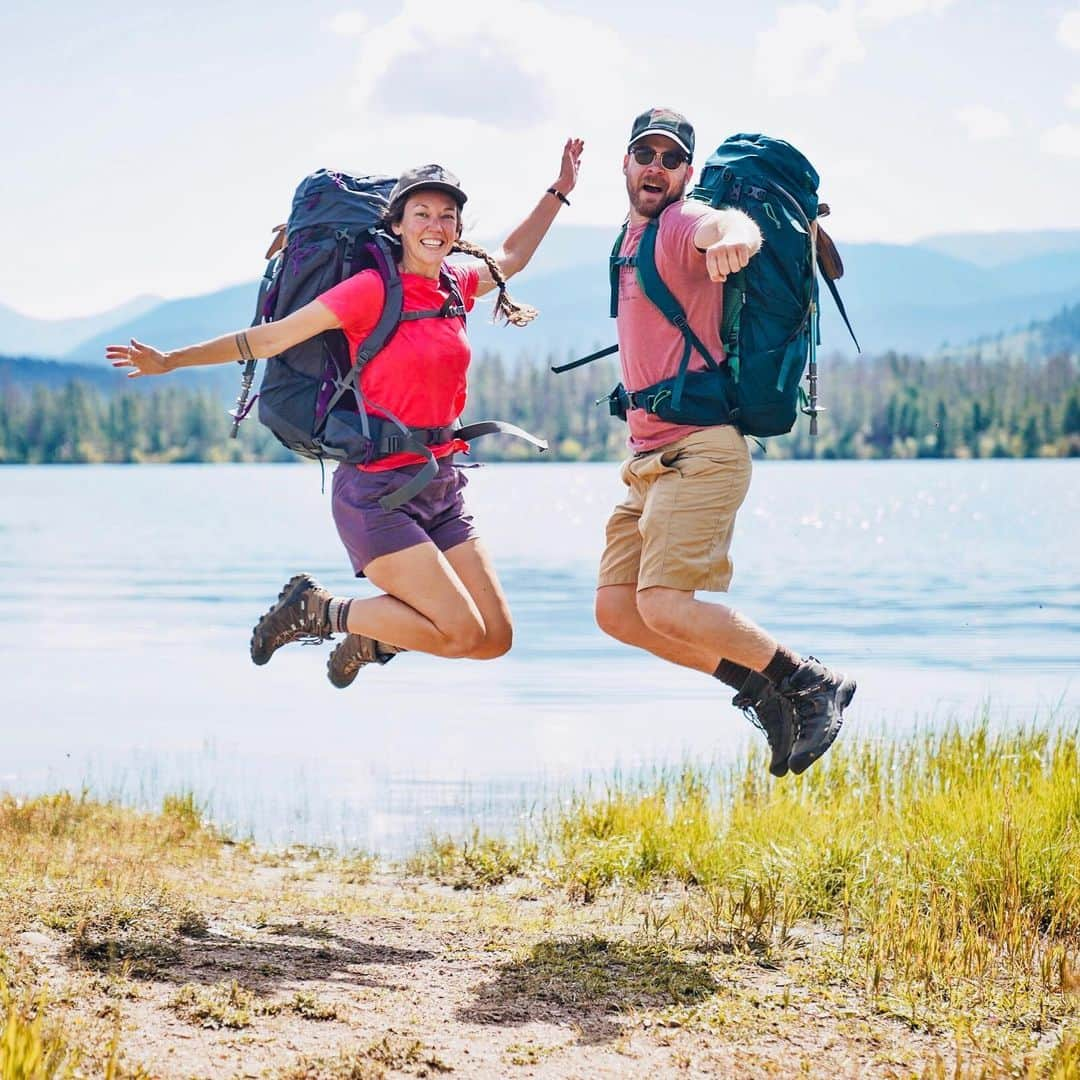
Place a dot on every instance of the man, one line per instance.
(671, 535)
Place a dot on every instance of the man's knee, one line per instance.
(616, 612)
(666, 611)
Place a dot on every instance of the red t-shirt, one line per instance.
(419, 375)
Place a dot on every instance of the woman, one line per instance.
(440, 593)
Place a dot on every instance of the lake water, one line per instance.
(127, 596)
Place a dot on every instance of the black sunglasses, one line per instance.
(670, 159)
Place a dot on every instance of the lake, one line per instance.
(948, 588)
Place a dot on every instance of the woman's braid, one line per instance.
(505, 305)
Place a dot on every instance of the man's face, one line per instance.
(651, 187)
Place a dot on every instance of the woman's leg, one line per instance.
(474, 568)
(425, 606)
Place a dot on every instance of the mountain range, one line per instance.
(942, 291)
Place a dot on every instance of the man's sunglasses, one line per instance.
(670, 159)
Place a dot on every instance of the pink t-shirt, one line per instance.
(650, 348)
(419, 375)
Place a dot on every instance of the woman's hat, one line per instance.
(429, 176)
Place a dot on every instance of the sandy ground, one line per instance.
(417, 978)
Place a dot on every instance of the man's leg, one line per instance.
(618, 616)
(684, 502)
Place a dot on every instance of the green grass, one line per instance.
(942, 870)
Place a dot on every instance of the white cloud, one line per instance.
(983, 123)
(492, 93)
(1072, 100)
(805, 48)
(888, 10)
(1068, 32)
(348, 23)
(1062, 141)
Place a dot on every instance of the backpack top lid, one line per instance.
(327, 197)
(759, 157)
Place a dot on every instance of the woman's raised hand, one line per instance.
(568, 170)
(143, 359)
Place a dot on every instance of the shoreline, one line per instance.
(898, 911)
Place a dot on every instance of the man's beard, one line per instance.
(650, 209)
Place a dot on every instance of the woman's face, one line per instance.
(428, 229)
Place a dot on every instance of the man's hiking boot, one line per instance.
(352, 654)
(300, 614)
(772, 714)
(820, 697)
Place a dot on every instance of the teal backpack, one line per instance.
(770, 322)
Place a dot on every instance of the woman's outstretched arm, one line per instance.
(518, 248)
(266, 339)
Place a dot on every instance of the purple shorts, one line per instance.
(367, 530)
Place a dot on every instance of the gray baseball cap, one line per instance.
(664, 122)
(429, 176)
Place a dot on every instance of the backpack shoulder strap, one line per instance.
(615, 263)
(654, 288)
(652, 285)
(387, 323)
(391, 312)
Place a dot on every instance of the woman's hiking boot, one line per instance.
(820, 697)
(353, 653)
(300, 614)
(770, 713)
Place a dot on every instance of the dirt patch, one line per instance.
(299, 972)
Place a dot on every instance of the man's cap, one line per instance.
(666, 122)
(428, 176)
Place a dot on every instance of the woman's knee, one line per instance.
(497, 642)
(463, 636)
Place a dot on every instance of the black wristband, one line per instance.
(559, 195)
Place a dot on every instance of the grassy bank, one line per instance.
(902, 909)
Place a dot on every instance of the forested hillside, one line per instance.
(889, 407)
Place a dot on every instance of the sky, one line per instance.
(151, 148)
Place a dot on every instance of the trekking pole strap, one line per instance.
(560, 368)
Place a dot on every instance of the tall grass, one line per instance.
(947, 866)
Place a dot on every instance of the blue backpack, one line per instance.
(310, 395)
(770, 322)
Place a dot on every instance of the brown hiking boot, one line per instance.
(355, 652)
(771, 714)
(298, 615)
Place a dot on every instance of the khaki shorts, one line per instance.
(674, 528)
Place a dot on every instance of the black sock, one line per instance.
(727, 671)
(783, 664)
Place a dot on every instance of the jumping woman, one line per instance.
(440, 593)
